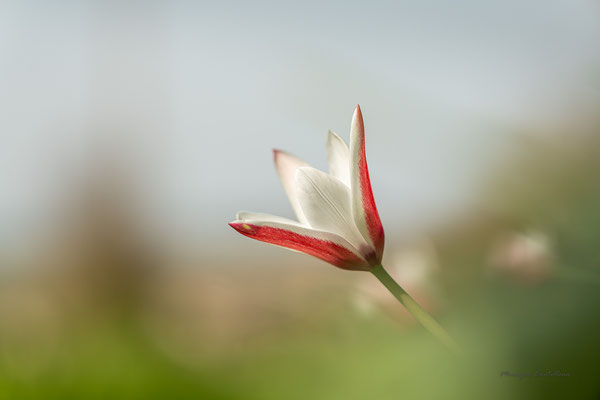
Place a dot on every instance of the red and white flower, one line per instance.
(338, 221)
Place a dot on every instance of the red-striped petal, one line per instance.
(325, 246)
(363, 203)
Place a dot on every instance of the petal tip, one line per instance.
(241, 227)
(357, 118)
(277, 153)
(332, 137)
(233, 224)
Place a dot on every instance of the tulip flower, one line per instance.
(337, 219)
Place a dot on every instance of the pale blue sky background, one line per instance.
(192, 96)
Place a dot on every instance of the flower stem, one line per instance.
(415, 309)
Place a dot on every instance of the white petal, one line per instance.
(338, 156)
(248, 216)
(325, 202)
(287, 165)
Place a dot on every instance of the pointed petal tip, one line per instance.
(332, 137)
(278, 153)
(357, 119)
(242, 227)
(242, 216)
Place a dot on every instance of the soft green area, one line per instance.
(331, 352)
(551, 328)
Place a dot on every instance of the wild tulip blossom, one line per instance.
(337, 219)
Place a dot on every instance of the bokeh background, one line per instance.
(132, 131)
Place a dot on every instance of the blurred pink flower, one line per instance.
(525, 257)
(338, 220)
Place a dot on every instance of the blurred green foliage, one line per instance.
(323, 348)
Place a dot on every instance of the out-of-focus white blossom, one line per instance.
(524, 257)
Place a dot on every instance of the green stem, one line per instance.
(414, 308)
